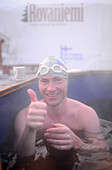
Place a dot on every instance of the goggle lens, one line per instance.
(44, 70)
(55, 68)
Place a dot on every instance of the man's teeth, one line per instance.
(52, 95)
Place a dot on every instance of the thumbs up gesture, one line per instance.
(37, 111)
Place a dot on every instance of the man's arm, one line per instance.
(95, 144)
(61, 137)
(27, 122)
(25, 136)
(94, 139)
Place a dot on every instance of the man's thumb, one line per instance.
(32, 95)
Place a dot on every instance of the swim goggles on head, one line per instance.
(56, 68)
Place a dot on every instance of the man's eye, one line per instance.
(58, 80)
(44, 81)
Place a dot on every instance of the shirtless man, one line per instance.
(58, 114)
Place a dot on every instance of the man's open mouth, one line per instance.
(52, 95)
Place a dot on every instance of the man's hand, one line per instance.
(62, 138)
(37, 111)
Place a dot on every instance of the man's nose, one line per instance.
(51, 86)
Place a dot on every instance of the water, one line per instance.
(86, 160)
(100, 160)
(90, 160)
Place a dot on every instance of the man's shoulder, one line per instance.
(84, 114)
(80, 107)
(77, 104)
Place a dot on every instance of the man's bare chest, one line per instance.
(68, 120)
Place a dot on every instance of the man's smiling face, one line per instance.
(53, 89)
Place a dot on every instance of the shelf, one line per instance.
(8, 86)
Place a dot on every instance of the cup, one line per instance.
(19, 73)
